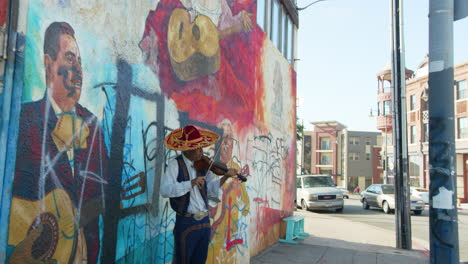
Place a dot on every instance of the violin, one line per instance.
(218, 168)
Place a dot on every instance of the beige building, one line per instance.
(418, 125)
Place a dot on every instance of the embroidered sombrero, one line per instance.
(190, 137)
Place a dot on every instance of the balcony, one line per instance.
(384, 123)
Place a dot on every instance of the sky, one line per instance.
(342, 44)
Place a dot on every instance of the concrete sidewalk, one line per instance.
(335, 240)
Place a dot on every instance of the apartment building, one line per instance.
(350, 157)
(417, 97)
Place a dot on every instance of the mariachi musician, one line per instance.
(189, 186)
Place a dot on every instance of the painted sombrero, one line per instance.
(190, 137)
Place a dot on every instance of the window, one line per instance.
(261, 7)
(368, 140)
(387, 107)
(388, 189)
(412, 102)
(325, 159)
(290, 40)
(412, 134)
(378, 109)
(274, 19)
(426, 132)
(325, 144)
(275, 23)
(284, 32)
(354, 140)
(318, 181)
(367, 156)
(354, 156)
(461, 89)
(298, 183)
(387, 87)
(462, 127)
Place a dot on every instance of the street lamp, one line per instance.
(302, 8)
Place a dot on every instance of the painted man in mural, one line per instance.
(202, 52)
(60, 165)
(189, 188)
(225, 237)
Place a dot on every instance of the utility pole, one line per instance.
(443, 217)
(402, 214)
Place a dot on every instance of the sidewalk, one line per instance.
(335, 240)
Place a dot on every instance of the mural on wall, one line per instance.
(101, 93)
(204, 57)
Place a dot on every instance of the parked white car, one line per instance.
(318, 192)
(421, 193)
(383, 196)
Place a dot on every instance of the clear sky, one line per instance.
(342, 44)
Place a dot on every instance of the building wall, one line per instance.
(331, 133)
(362, 166)
(135, 90)
(417, 117)
(347, 172)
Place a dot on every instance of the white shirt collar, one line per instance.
(187, 161)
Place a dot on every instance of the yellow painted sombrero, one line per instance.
(190, 137)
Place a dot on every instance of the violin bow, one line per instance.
(216, 153)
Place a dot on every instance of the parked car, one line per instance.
(421, 193)
(383, 196)
(345, 192)
(318, 192)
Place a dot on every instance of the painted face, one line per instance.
(228, 142)
(226, 148)
(65, 73)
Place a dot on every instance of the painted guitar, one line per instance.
(194, 47)
(56, 217)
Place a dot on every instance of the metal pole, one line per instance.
(442, 188)
(402, 216)
(386, 149)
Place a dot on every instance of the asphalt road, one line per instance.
(353, 211)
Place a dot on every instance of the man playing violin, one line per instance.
(188, 190)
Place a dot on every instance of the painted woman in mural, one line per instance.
(61, 165)
(203, 55)
(228, 230)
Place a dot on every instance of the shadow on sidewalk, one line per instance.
(332, 251)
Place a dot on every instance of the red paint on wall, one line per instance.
(3, 12)
(228, 93)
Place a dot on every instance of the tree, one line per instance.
(299, 130)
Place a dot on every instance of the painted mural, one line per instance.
(103, 82)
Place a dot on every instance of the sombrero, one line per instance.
(190, 137)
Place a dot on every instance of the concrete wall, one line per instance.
(138, 82)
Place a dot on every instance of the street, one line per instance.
(420, 224)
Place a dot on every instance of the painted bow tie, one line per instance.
(70, 132)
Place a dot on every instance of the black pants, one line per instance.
(191, 239)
